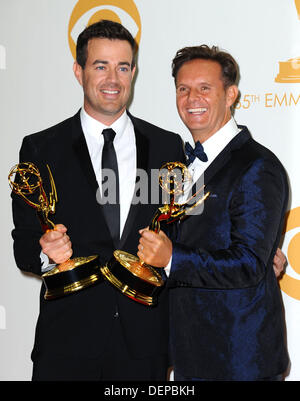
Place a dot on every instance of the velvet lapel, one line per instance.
(142, 155)
(222, 159)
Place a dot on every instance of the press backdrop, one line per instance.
(38, 89)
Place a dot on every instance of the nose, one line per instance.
(112, 75)
(194, 94)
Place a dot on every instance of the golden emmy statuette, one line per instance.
(134, 278)
(74, 274)
(289, 71)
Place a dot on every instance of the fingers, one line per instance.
(149, 236)
(143, 230)
(56, 244)
(279, 262)
(148, 244)
(61, 228)
(148, 241)
(276, 270)
(281, 256)
(154, 248)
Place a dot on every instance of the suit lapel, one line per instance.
(83, 157)
(220, 162)
(225, 155)
(82, 153)
(142, 155)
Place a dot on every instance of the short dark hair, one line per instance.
(228, 64)
(105, 29)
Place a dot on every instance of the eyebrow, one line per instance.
(106, 62)
(187, 84)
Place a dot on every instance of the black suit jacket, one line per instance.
(80, 323)
(225, 306)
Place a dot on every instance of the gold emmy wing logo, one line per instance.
(288, 284)
(86, 12)
(289, 71)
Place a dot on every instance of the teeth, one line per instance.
(198, 110)
(109, 92)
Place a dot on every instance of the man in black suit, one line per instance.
(97, 333)
(226, 315)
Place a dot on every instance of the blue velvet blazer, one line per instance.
(226, 313)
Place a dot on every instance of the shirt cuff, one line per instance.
(168, 267)
(46, 266)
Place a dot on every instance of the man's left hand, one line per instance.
(279, 262)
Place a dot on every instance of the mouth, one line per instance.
(110, 91)
(197, 111)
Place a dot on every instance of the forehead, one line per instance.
(199, 70)
(109, 48)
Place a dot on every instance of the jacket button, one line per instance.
(116, 315)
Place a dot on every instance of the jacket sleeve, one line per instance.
(27, 229)
(256, 210)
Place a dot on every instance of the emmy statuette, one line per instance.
(126, 272)
(74, 274)
(289, 71)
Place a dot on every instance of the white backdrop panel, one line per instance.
(38, 89)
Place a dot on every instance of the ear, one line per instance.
(133, 72)
(77, 69)
(231, 95)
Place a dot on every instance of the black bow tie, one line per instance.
(192, 153)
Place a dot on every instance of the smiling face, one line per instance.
(106, 78)
(202, 101)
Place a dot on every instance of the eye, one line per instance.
(124, 68)
(181, 90)
(205, 88)
(97, 13)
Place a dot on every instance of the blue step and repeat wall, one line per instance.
(38, 89)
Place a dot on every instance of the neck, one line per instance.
(106, 119)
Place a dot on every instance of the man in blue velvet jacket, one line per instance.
(226, 314)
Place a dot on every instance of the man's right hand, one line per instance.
(56, 244)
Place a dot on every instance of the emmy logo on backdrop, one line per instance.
(290, 281)
(73, 275)
(289, 71)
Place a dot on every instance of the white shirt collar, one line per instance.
(93, 128)
(217, 142)
(212, 147)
